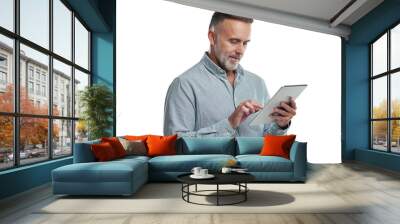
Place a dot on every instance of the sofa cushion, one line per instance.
(83, 152)
(277, 145)
(161, 145)
(103, 152)
(185, 163)
(111, 171)
(257, 163)
(133, 158)
(134, 147)
(249, 145)
(116, 145)
(207, 145)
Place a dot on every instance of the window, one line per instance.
(7, 14)
(3, 72)
(30, 72)
(43, 77)
(6, 142)
(3, 78)
(385, 92)
(62, 29)
(62, 137)
(62, 75)
(37, 89)
(33, 149)
(81, 81)
(81, 45)
(37, 75)
(3, 61)
(43, 90)
(34, 21)
(6, 73)
(55, 128)
(30, 87)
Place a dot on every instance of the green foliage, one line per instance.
(97, 104)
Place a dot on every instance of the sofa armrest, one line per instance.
(298, 155)
(83, 152)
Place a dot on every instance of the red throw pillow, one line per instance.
(116, 145)
(103, 151)
(161, 145)
(277, 145)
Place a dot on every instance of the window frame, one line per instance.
(15, 71)
(388, 74)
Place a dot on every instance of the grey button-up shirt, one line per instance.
(199, 102)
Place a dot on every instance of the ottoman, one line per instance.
(118, 177)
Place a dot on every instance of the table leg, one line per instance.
(188, 190)
(217, 194)
(245, 191)
(196, 188)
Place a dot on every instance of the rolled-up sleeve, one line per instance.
(180, 114)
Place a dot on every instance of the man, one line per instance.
(217, 97)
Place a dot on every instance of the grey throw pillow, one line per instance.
(137, 147)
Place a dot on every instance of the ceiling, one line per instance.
(327, 16)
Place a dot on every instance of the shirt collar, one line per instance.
(216, 70)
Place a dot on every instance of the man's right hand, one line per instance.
(245, 109)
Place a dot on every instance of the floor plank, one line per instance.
(377, 190)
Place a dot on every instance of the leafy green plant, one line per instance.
(97, 106)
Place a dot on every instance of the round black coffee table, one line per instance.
(238, 179)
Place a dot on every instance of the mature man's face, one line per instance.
(230, 42)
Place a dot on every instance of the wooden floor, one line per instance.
(378, 188)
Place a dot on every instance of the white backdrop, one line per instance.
(158, 40)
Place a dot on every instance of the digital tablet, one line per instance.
(283, 94)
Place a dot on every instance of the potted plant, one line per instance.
(97, 106)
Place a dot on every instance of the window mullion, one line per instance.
(73, 82)
(370, 98)
(50, 81)
(389, 114)
(16, 84)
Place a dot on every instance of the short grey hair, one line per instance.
(219, 17)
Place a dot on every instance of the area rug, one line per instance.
(167, 198)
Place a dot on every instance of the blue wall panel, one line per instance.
(357, 99)
(24, 178)
(102, 58)
(103, 63)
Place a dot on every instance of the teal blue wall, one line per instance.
(99, 15)
(103, 64)
(103, 52)
(355, 59)
(24, 178)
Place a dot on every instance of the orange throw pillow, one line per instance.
(103, 152)
(161, 145)
(277, 145)
(116, 145)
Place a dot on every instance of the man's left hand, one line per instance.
(284, 113)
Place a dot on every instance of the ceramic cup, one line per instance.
(203, 172)
(226, 170)
(196, 171)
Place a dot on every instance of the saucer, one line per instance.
(208, 176)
